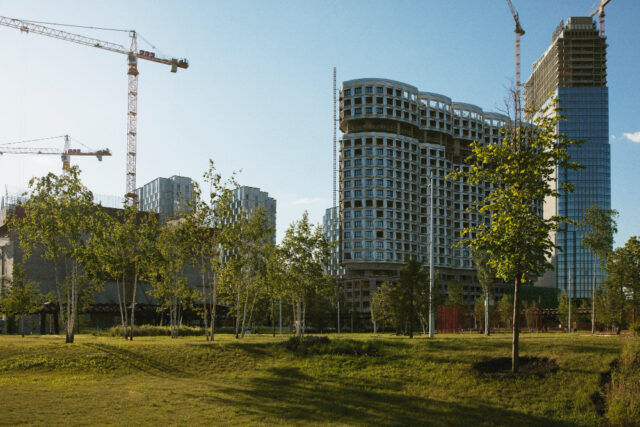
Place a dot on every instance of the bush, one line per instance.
(154, 331)
(323, 345)
(623, 394)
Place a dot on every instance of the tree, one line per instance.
(306, 253)
(601, 226)
(455, 298)
(506, 309)
(60, 219)
(531, 313)
(563, 309)
(21, 298)
(621, 293)
(521, 167)
(409, 290)
(485, 277)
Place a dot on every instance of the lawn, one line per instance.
(157, 380)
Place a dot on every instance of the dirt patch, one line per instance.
(529, 366)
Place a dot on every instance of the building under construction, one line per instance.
(574, 70)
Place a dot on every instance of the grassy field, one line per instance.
(156, 380)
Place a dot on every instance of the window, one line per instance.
(379, 172)
(368, 182)
(357, 244)
(368, 212)
(378, 110)
(368, 171)
(347, 163)
(379, 193)
(368, 89)
(389, 245)
(357, 255)
(357, 224)
(357, 234)
(368, 110)
(347, 214)
(357, 214)
(378, 255)
(358, 182)
(347, 245)
(389, 183)
(358, 193)
(368, 151)
(347, 193)
(358, 110)
(347, 174)
(347, 184)
(389, 153)
(357, 90)
(367, 244)
(347, 224)
(357, 172)
(389, 224)
(379, 224)
(389, 193)
(347, 92)
(378, 89)
(347, 234)
(368, 223)
(379, 162)
(368, 254)
(379, 245)
(368, 234)
(358, 162)
(347, 153)
(368, 192)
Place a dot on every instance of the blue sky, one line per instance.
(257, 96)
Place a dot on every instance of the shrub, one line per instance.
(623, 394)
(152, 331)
(323, 345)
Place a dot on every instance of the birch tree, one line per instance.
(601, 226)
(59, 220)
(307, 251)
(485, 277)
(22, 297)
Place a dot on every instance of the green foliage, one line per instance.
(305, 253)
(309, 345)
(563, 308)
(21, 297)
(61, 221)
(455, 294)
(601, 227)
(547, 297)
(623, 394)
(157, 331)
(505, 306)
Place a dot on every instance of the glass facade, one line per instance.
(587, 119)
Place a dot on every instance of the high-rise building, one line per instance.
(168, 197)
(247, 199)
(395, 140)
(574, 70)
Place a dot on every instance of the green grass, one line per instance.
(261, 380)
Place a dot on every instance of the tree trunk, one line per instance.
(122, 308)
(204, 298)
(22, 325)
(304, 317)
(213, 305)
(273, 316)
(253, 304)
(516, 328)
(238, 309)
(244, 311)
(133, 300)
(487, 327)
(593, 299)
(298, 315)
(373, 319)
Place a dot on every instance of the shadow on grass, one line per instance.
(294, 397)
(136, 360)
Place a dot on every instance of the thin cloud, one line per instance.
(635, 136)
(306, 201)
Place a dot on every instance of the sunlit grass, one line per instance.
(157, 380)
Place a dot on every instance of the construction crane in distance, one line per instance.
(65, 154)
(133, 54)
(519, 32)
(600, 11)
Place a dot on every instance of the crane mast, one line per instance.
(519, 32)
(600, 11)
(132, 74)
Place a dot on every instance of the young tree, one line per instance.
(21, 298)
(485, 277)
(506, 309)
(563, 309)
(306, 253)
(59, 221)
(601, 226)
(521, 167)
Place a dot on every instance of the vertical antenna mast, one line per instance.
(335, 120)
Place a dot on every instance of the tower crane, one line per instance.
(600, 11)
(133, 54)
(519, 32)
(64, 154)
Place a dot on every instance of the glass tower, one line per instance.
(574, 70)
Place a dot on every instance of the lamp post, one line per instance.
(431, 271)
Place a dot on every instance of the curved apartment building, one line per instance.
(396, 138)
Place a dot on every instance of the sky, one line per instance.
(257, 97)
